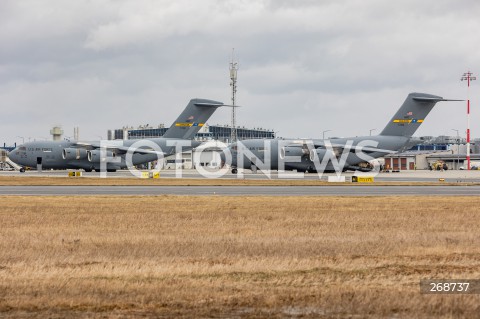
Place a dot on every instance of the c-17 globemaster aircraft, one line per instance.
(89, 155)
(337, 154)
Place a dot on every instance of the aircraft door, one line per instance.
(39, 163)
(253, 165)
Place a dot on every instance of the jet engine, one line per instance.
(94, 155)
(293, 151)
(74, 153)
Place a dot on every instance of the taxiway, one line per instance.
(370, 190)
(457, 176)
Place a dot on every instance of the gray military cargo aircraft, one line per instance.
(88, 155)
(309, 155)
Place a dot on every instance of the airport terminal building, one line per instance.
(220, 133)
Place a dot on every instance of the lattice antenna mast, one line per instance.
(233, 85)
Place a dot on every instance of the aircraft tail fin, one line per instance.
(411, 114)
(192, 119)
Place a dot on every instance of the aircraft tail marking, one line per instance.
(411, 114)
(192, 119)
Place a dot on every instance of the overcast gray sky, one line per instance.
(305, 66)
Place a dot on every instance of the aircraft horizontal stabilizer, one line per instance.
(215, 104)
(209, 104)
(433, 99)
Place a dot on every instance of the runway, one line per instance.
(243, 190)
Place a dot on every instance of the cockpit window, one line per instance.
(22, 148)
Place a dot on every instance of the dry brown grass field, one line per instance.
(251, 257)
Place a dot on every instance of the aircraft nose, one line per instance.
(11, 154)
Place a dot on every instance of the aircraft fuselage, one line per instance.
(300, 155)
(51, 154)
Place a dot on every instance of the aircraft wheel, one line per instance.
(234, 171)
(22, 170)
(97, 170)
(88, 170)
(111, 170)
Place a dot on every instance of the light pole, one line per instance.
(373, 129)
(233, 84)
(323, 133)
(468, 76)
(458, 147)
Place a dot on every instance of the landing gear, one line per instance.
(22, 170)
(234, 171)
(88, 170)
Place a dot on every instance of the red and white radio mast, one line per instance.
(468, 77)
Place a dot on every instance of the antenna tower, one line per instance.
(233, 84)
(468, 76)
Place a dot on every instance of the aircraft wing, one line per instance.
(119, 149)
(338, 148)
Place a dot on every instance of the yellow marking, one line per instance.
(362, 179)
(185, 124)
(75, 174)
(408, 121)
